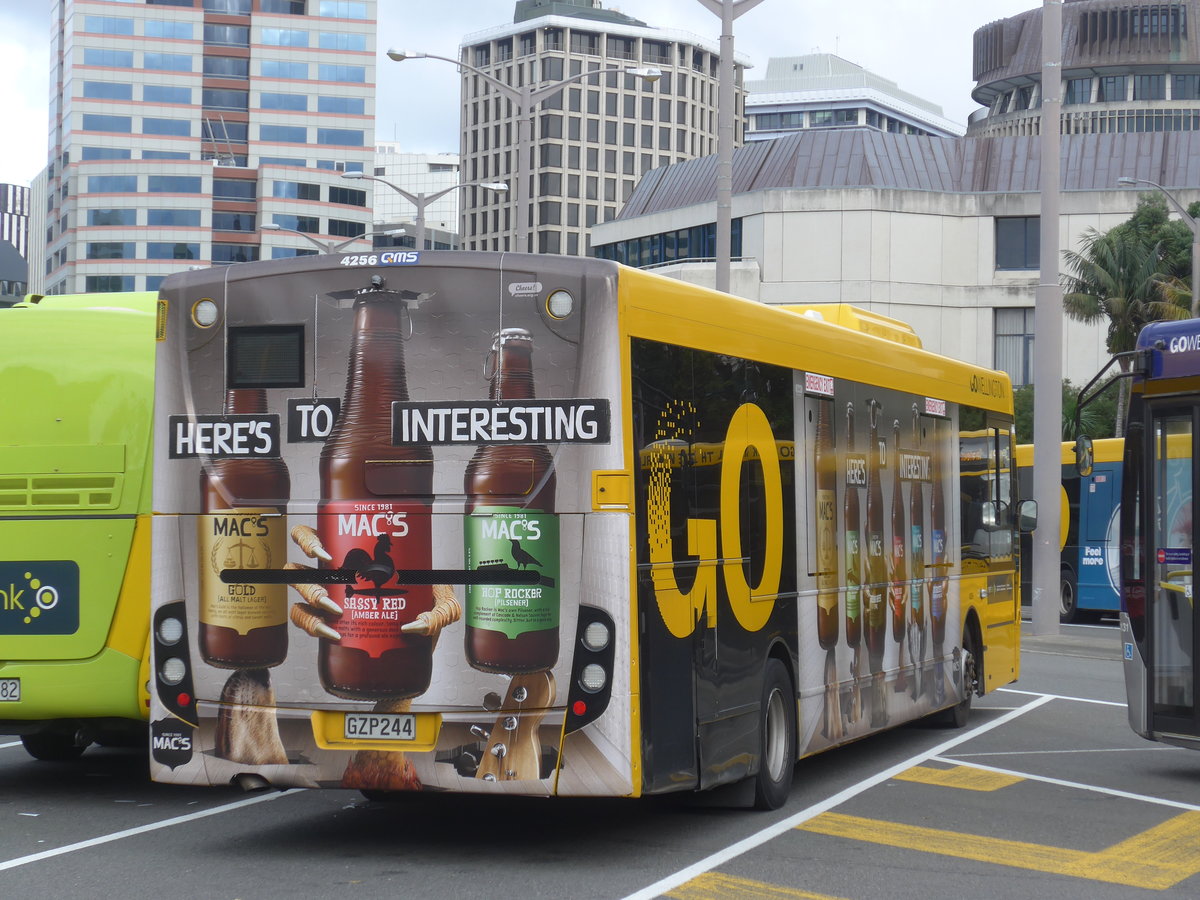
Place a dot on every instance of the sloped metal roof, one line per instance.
(861, 158)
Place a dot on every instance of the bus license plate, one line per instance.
(10, 690)
(381, 726)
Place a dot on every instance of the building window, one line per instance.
(333, 72)
(116, 59)
(1149, 87)
(1079, 90)
(285, 37)
(228, 7)
(172, 127)
(180, 218)
(1185, 87)
(172, 250)
(845, 117)
(103, 217)
(1017, 242)
(112, 184)
(343, 228)
(290, 252)
(1014, 344)
(168, 62)
(103, 284)
(111, 250)
(336, 40)
(234, 189)
(227, 35)
(173, 184)
(340, 137)
(283, 134)
(293, 102)
(284, 7)
(220, 131)
(296, 190)
(820, 117)
(1112, 89)
(225, 99)
(347, 196)
(282, 161)
(342, 9)
(277, 68)
(224, 254)
(233, 221)
(232, 67)
(307, 224)
(352, 106)
(165, 154)
(164, 28)
(107, 25)
(161, 93)
(90, 153)
(107, 90)
(116, 124)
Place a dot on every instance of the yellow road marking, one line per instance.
(964, 777)
(1156, 859)
(715, 886)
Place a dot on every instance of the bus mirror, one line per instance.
(1028, 515)
(987, 514)
(1083, 455)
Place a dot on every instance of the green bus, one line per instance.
(75, 506)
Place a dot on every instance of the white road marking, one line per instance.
(10, 744)
(1158, 749)
(142, 829)
(1058, 697)
(782, 827)
(1112, 792)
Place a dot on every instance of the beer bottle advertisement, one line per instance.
(511, 524)
(898, 584)
(875, 585)
(825, 476)
(242, 526)
(374, 519)
(855, 480)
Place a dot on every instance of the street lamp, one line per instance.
(1191, 223)
(421, 200)
(728, 10)
(525, 98)
(324, 246)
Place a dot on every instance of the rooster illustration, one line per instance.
(377, 568)
(522, 557)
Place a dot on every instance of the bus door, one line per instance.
(1172, 662)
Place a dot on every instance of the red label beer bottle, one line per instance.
(825, 477)
(853, 537)
(242, 526)
(375, 518)
(511, 524)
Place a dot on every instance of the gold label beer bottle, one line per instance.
(898, 587)
(937, 528)
(876, 581)
(375, 519)
(825, 478)
(242, 526)
(916, 523)
(511, 524)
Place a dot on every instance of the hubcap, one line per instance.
(775, 739)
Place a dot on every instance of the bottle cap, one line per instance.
(505, 335)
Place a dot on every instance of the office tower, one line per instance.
(179, 127)
(592, 141)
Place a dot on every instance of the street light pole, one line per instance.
(728, 10)
(1191, 223)
(525, 98)
(421, 200)
(323, 246)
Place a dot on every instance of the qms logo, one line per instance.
(39, 597)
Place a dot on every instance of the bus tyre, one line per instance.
(776, 738)
(1068, 600)
(957, 715)
(52, 746)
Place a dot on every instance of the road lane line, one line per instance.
(759, 838)
(717, 886)
(1078, 785)
(1158, 749)
(10, 744)
(142, 829)
(1058, 697)
(965, 778)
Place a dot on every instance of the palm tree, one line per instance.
(1120, 276)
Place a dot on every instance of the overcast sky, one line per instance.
(922, 45)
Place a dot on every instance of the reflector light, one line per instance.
(595, 636)
(560, 304)
(173, 670)
(170, 630)
(592, 678)
(205, 313)
(184, 699)
(579, 707)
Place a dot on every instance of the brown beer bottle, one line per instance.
(510, 524)
(825, 478)
(875, 587)
(853, 537)
(243, 525)
(939, 581)
(916, 524)
(898, 587)
(375, 518)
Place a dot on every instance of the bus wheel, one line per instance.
(52, 746)
(1068, 602)
(957, 715)
(777, 738)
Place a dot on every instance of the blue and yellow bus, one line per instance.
(75, 508)
(1089, 516)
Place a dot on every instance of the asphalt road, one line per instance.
(1045, 793)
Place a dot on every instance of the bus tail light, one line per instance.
(591, 668)
(172, 666)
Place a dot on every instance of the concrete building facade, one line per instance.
(178, 129)
(592, 141)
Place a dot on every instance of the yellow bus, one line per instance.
(543, 525)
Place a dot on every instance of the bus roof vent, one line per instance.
(858, 319)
